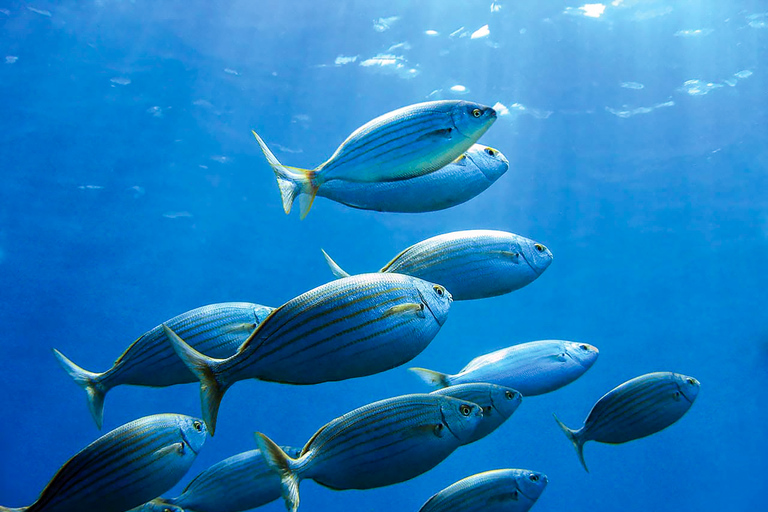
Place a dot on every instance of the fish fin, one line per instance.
(283, 465)
(443, 133)
(171, 449)
(212, 387)
(441, 380)
(411, 307)
(90, 382)
(292, 181)
(335, 268)
(577, 441)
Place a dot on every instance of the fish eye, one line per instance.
(533, 478)
(490, 151)
(465, 409)
(583, 347)
(439, 291)
(476, 112)
(198, 425)
(510, 395)
(691, 381)
(539, 247)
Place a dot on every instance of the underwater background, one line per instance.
(133, 191)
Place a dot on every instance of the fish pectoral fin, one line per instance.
(511, 255)
(411, 307)
(504, 497)
(171, 449)
(444, 133)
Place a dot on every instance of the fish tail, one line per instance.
(335, 268)
(440, 380)
(90, 382)
(212, 386)
(284, 466)
(293, 181)
(578, 441)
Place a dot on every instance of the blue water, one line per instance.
(132, 191)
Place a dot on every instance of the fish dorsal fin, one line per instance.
(335, 268)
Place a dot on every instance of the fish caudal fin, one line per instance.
(284, 466)
(212, 388)
(441, 380)
(577, 441)
(293, 181)
(335, 268)
(90, 382)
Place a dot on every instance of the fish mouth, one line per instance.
(186, 441)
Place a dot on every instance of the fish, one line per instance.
(532, 368)
(241, 482)
(499, 490)
(126, 467)
(380, 444)
(217, 330)
(455, 183)
(638, 408)
(472, 264)
(498, 404)
(405, 143)
(347, 328)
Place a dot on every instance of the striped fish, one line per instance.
(126, 467)
(407, 142)
(380, 444)
(498, 404)
(471, 264)
(532, 368)
(217, 330)
(500, 490)
(451, 185)
(241, 482)
(638, 408)
(344, 329)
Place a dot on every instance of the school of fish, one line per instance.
(418, 158)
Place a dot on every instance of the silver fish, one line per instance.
(532, 368)
(407, 142)
(347, 328)
(217, 330)
(451, 185)
(498, 404)
(471, 264)
(380, 444)
(500, 490)
(125, 467)
(638, 408)
(241, 482)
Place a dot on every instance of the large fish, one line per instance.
(500, 490)
(498, 404)
(471, 264)
(217, 330)
(347, 328)
(241, 482)
(532, 368)
(451, 185)
(407, 142)
(380, 444)
(638, 408)
(125, 467)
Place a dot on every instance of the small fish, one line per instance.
(241, 482)
(456, 183)
(638, 408)
(380, 444)
(217, 330)
(471, 264)
(532, 368)
(405, 143)
(125, 467)
(498, 404)
(347, 328)
(500, 490)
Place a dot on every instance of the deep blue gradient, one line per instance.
(132, 191)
